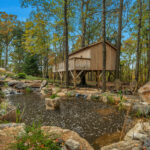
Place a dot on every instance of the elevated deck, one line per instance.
(74, 64)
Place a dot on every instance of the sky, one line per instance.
(14, 7)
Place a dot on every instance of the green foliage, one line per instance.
(21, 75)
(95, 97)
(2, 95)
(18, 114)
(110, 100)
(34, 139)
(31, 64)
(28, 90)
(53, 96)
(122, 100)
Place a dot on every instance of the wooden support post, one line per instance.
(98, 79)
(61, 76)
(75, 78)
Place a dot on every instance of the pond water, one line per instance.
(93, 120)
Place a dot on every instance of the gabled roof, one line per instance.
(91, 45)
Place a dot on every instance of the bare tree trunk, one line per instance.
(119, 41)
(148, 45)
(83, 20)
(138, 42)
(104, 48)
(6, 57)
(66, 40)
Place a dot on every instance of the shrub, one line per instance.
(21, 75)
(53, 96)
(110, 100)
(2, 95)
(28, 90)
(34, 139)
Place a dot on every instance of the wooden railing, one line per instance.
(74, 64)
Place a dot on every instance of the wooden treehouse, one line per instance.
(88, 59)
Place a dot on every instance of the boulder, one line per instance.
(43, 84)
(143, 109)
(52, 104)
(9, 116)
(72, 144)
(12, 83)
(124, 145)
(34, 85)
(70, 138)
(20, 85)
(144, 93)
(139, 132)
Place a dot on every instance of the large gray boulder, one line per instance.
(20, 85)
(144, 92)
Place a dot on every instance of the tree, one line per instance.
(138, 42)
(66, 40)
(7, 24)
(36, 38)
(104, 47)
(18, 53)
(31, 64)
(148, 44)
(119, 40)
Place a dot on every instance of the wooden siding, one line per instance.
(90, 58)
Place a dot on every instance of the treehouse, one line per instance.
(88, 59)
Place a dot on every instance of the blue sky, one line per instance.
(14, 7)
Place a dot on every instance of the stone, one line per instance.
(143, 109)
(123, 145)
(72, 144)
(43, 84)
(65, 135)
(144, 92)
(9, 116)
(12, 83)
(8, 125)
(20, 85)
(34, 85)
(78, 95)
(52, 104)
(139, 132)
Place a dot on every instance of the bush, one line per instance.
(21, 75)
(28, 90)
(34, 139)
(2, 95)
(110, 100)
(53, 96)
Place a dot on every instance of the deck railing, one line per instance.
(74, 64)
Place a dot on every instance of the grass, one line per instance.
(34, 139)
(29, 77)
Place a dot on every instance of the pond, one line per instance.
(92, 120)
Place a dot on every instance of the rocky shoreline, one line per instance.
(137, 138)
